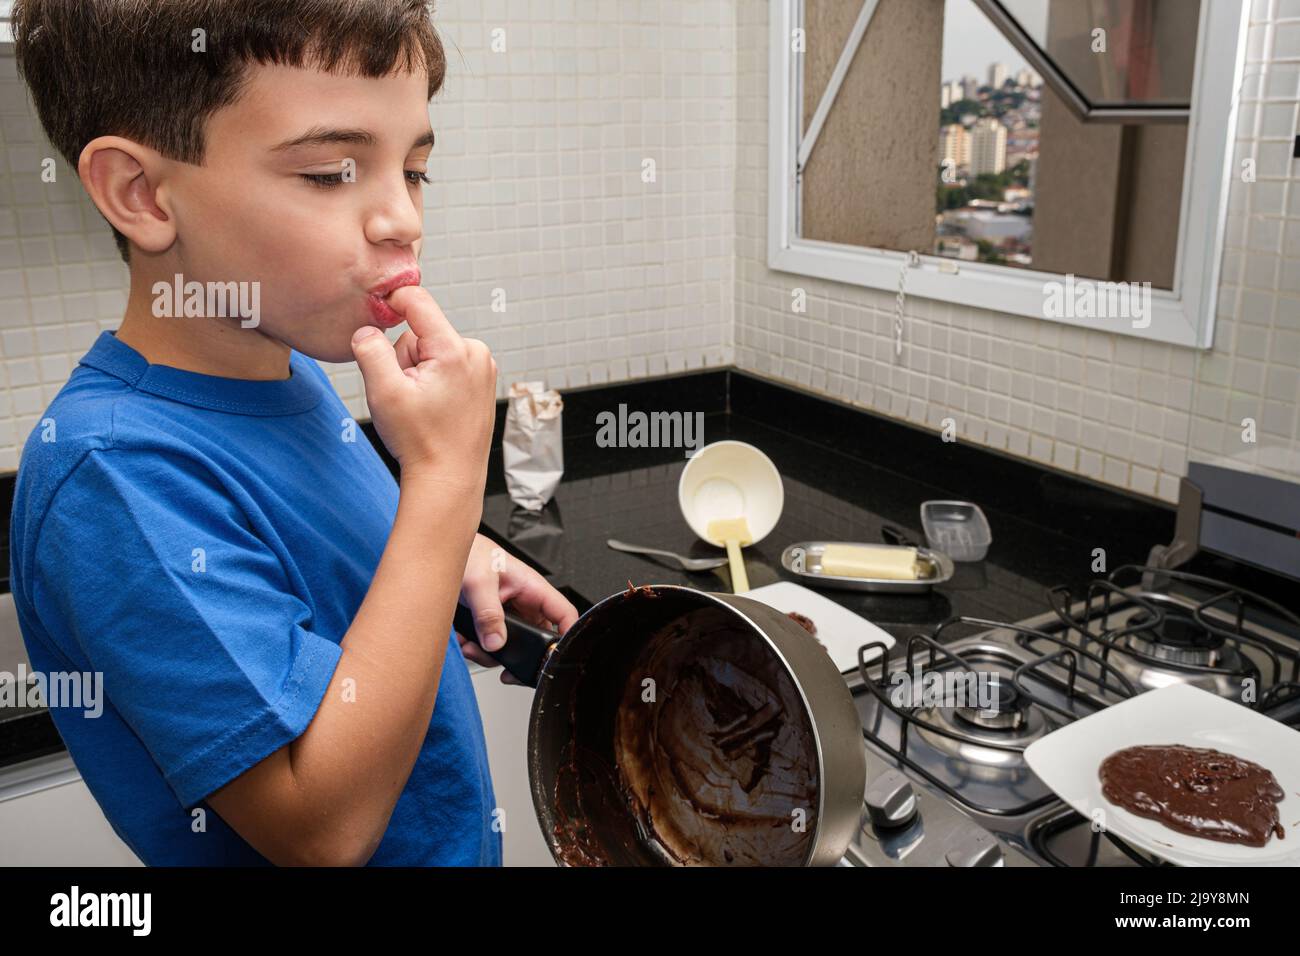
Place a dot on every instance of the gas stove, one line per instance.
(947, 783)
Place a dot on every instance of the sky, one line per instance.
(971, 43)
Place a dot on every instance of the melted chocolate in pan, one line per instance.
(1197, 791)
(711, 770)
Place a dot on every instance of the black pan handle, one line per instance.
(526, 647)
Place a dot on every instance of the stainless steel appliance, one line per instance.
(947, 783)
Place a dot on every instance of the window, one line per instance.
(1027, 149)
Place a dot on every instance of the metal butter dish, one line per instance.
(804, 558)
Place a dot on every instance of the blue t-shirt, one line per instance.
(204, 544)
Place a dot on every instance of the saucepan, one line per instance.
(677, 727)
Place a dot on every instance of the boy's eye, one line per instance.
(323, 180)
(330, 180)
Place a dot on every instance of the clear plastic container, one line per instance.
(957, 528)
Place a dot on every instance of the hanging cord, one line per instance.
(910, 261)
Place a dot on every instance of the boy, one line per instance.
(197, 521)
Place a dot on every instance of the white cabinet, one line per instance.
(49, 818)
(505, 709)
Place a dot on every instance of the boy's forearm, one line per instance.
(355, 757)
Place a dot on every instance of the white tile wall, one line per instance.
(1254, 370)
(538, 185)
(538, 191)
(1113, 408)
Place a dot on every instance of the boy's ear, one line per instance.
(122, 179)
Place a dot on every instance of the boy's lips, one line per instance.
(393, 283)
(381, 313)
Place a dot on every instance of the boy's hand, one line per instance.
(432, 394)
(493, 578)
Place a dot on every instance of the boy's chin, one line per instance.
(336, 353)
(335, 347)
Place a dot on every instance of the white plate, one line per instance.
(1068, 760)
(838, 628)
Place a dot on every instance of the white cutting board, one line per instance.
(842, 631)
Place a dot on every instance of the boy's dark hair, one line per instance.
(127, 67)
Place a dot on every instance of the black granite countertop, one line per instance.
(845, 473)
(844, 484)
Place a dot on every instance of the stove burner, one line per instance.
(996, 740)
(1155, 639)
(992, 738)
(1009, 711)
(1178, 639)
(1181, 649)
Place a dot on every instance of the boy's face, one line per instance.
(247, 214)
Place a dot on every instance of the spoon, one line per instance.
(686, 564)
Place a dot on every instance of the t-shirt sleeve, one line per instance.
(147, 564)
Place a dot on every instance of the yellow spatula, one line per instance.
(733, 533)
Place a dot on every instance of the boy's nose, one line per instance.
(395, 215)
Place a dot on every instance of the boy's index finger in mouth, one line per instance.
(422, 314)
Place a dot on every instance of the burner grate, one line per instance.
(940, 659)
(1133, 628)
(1203, 641)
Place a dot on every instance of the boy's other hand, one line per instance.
(432, 394)
(493, 579)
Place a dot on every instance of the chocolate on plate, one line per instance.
(1195, 790)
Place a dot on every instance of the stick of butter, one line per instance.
(867, 561)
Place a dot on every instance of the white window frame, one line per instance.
(1181, 316)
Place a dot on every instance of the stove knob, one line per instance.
(891, 803)
(975, 847)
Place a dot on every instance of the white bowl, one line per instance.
(731, 479)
